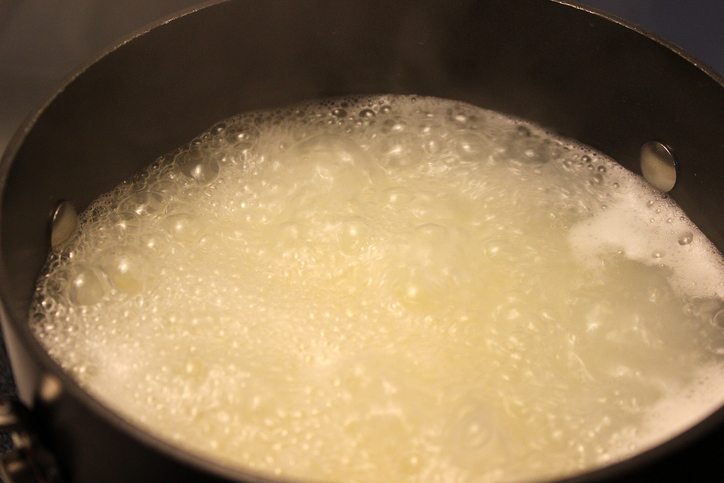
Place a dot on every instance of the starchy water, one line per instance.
(391, 288)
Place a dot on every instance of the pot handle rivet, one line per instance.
(658, 165)
(63, 224)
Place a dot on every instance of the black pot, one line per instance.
(579, 74)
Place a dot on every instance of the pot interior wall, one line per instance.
(580, 75)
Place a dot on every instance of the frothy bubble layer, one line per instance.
(391, 289)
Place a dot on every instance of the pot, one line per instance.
(580, 74)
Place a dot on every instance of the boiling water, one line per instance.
(391, 289)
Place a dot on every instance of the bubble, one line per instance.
(218, 128)
(393, 126)
(397, 196)
(143, 203)
(474, 431)
(472, 146)
(167, 186)
(398, 150)
(150, 241)
(367, 113)
(523, 131)
(182, 226)
(239, 133)
(339, 112)
(432, 145)
(199, 165)
(460, 118)
(124, 222)
(49, 305)
(87, 285)
(430, 127)
(354, 234)
(531, 151)
(686, 238)
(125, 269)
(411, 292)
(718, 319)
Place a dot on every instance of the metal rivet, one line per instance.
(50, 388)
(658, 165)
(64, 223)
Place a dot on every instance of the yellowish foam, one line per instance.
(390, 289)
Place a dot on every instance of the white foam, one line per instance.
(682, 408)
(648, 229)
(389, 288)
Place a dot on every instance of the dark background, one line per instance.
(44, 41)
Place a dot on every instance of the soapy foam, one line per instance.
(391, 288)
(654, 233)
(682, 408)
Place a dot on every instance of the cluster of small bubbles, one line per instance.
(143, 203)
(385, 288)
